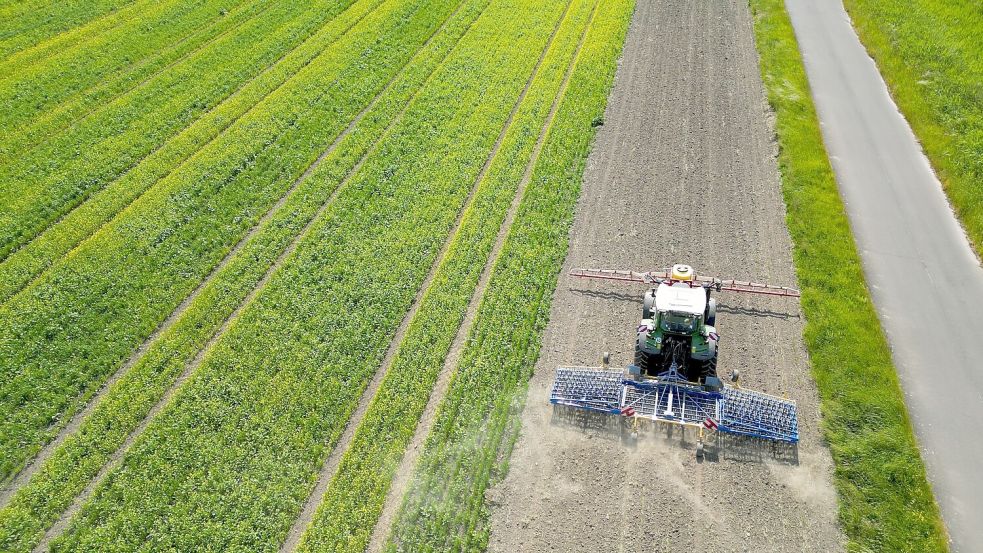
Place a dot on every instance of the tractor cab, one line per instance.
(676, 332)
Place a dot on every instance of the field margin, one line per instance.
(912, 84)
(885, 501)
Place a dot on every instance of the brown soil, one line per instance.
(683, 171)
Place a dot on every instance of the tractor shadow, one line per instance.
(609, 295)
(755, 312)
(717, 446)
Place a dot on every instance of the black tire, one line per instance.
(641, 358)
(648, 305)
(708, 368)
(711, 314)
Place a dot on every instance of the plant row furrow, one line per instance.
(354, 499)
(64, 334)
(83, 102)
(57, 42)
(27, 263)
(25, 24)
(78, 459)
(445, 507)
(52, 179)
(29, 89)
(243, 440)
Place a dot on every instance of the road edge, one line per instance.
(885, 501)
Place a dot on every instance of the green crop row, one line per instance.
(29, 89)
(36, 256)
(228, 464)
(931, 56)
(77, 460)
(354, 499)
(63, 334)
(25, 24)
(47, 181)
(885, 501)
(80, 102)
(476, 425)
(26, 53)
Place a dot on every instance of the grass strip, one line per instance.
(52, 179)
(65, 333)
(29, 89)
(470, 443)
(886, 503)
(25, 24)
(84, 101)
(354, 499)
(931, 57)
(35, 506)
(243, 440)
(26, 263)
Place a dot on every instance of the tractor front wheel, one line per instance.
(648, 306)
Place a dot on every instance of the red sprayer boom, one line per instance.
(667, 276)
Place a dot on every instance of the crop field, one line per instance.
(273, 275)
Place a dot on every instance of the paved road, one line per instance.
(926, 281)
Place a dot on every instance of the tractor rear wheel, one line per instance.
(641, 359)
(708, 368)
(649, 363)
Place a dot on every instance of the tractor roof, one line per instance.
(680, 297)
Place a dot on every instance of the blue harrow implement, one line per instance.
(672, 400)
(674, 376)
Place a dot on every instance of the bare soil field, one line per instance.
(683, 171)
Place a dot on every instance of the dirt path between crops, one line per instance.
(683, 170)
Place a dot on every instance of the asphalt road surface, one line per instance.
(926, 281)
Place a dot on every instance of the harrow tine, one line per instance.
(731, 411)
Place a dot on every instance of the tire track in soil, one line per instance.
(116, 459)
(330, 466)
(31, 468)
(682, 171)
(60, 219)
(404, 472)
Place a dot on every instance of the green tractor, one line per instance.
(677, 335)
(677, 332)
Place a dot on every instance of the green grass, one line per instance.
(26, 263)
(44, 26)
(931, 56)
(354, 498)
(35, 506)
(27, 89)
(885, 502)
(24, 24)
(63, 334)
(477, 423)
(44, 183)
(80, 100)
(228, 464)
